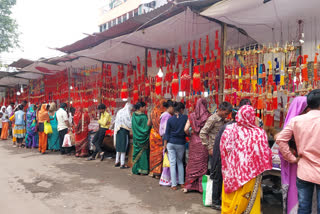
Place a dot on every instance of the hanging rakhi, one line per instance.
(275, 97)
(179, 56)
(138, 64)
(185, 80)
(298, 71)
(168, 76)
(175, 85)
(305, 69)
(147, 88)
(254, 78)
(269, 112)
(196, 79)
(158, 85)
(227, 86)
(315, 71)
(207, 53)
(199, 49)
(270, 78)
(189, 53)
(277, 72)
(149, 62)
(164, 58)
(135, 94)
(124, 91)
(158, 61)
(194, 50)
(282, 75)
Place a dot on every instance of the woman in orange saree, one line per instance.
(156, 145)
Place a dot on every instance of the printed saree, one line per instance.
(156, 147)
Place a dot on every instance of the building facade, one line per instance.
(118, 11)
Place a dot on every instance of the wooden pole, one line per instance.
(223, 61)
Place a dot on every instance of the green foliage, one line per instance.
(8, 26)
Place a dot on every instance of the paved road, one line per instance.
(32, 183)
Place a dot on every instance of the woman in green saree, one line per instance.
(141, 126)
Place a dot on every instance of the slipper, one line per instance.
(117, 165)
(124, 167)
(101, 156)
(90, 158)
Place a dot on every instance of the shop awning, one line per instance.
(271, 21)
(177, 30)
(124, 28)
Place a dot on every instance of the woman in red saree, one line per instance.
(81, 122)
(198, 154)
(156, 146)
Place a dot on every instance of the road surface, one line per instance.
(32, 183)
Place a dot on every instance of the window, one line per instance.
(140, 10)
(114, 22)
(105, 27)
(131, 14)
(109, 24)
(119, 20)
(136, 12)
(124, 17)
(101, 28)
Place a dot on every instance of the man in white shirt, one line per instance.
(63, 125)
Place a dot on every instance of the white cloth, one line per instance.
(70, 118)
(123, 119)
(9, 110)
(62, 117)
(4, 114)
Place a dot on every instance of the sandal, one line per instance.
(124, 167)
(117, 165)
(174, 188)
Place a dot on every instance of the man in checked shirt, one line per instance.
(213, 125)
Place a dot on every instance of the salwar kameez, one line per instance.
(43, 139)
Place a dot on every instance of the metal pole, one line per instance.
(223, 61)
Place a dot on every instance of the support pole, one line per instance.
(69, 76)
(223, 61)
(100, 90)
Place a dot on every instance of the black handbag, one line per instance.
(41, 127)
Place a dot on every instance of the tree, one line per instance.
(8, 27)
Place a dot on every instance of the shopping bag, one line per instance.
(72, 138)
(166, 162)
(66, 141)
(207, 190)
(47, 128)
